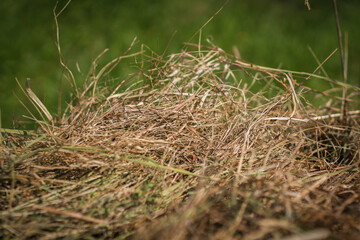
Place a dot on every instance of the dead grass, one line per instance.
(192, 150)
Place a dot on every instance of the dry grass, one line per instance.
(191, 150)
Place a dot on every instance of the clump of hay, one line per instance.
(202, 145)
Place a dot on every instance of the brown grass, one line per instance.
(202, 146)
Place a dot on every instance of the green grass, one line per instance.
(269, 34)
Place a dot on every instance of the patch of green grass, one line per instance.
(269, 34)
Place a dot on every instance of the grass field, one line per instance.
(189, 144)
(275, 34)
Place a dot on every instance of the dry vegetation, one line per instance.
(191, 150)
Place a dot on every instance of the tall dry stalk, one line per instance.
(344, 74)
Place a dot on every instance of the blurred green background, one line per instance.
(270, 33)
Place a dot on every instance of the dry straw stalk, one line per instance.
(202, 145)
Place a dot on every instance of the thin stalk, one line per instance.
(344, 102)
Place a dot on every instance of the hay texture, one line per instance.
(196, 145)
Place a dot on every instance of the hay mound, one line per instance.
(203, 145)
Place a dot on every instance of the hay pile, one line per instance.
(202, 146)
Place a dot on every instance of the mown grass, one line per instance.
(270, 34)
(196, 144)
(192, 146)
